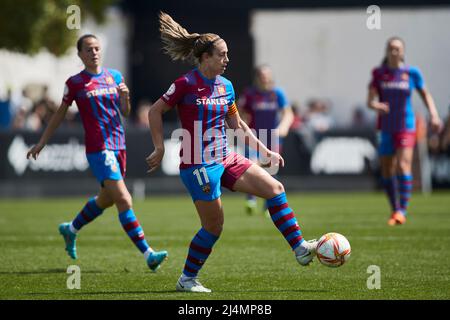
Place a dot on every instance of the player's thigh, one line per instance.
(258, 182)
(405, 159)
(211, 215)
(386, 153)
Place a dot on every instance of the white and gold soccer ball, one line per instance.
(333, 249)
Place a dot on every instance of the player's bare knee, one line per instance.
(214, 228)
(404, 166)
(277, 188)
(123, 202)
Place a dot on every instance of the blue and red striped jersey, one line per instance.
(202, 105)
(263, 107)
(395, 86)
(97, 99)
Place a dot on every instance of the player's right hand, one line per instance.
(34, 151)
(382, 107)
(154, 159)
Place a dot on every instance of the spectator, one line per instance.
(316, 121)
(6, 112)
(360, 118)
(317, 117)
(38, 117)
(298, 118)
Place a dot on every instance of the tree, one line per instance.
(28, 25)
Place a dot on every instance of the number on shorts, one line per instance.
(198, 173)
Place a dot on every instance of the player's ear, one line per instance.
(204, 56)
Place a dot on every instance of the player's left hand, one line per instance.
(154, 159)
(274, 160)
(436, 124)
(124, 92)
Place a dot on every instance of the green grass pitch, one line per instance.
(250, 261)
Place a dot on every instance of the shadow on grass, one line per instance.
(273, 291)
(143, 292)
(96, 293)
(48, 271)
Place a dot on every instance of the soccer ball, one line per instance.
(333, 249)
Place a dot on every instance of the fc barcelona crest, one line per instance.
(109, 80)
(221, 89)
(405, 76)
(206, 188)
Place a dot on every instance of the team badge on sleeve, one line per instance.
(221, 89)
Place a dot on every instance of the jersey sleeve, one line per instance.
(417, 78)
(69, 93)
(118, 77)
(232, 99)
(281, 98)
(176, 92)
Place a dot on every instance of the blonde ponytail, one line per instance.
(182, 45)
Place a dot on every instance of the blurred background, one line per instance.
(321, 53)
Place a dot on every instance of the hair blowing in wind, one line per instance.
(179, 44)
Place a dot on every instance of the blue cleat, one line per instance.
(155, 259)
(69, 239)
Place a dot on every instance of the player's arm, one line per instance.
(124, 94)
(374, 103)
(156, 129)
(287, 117)
(436, 123)
(235, 122)
(54, 123)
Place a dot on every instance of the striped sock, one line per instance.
(405, 188)
(390, 186)
(134, 230)
(199, 250)
(89, 212)
(284, 219)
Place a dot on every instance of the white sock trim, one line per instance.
(148, 252)
(72, 229)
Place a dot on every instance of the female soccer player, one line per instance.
(390, 95)
(265, 108)
(101, 95)
(205, 101)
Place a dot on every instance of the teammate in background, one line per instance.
(390, 95)
(264, 109)
(101, 95)
(205, 101)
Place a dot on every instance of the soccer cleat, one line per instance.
(155, 259)
(250, 207)
(305, 258)
(397, 218)
(186, 284)
(69, 239)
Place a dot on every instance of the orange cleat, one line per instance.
(397, 218)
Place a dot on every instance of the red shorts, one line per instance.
(389, 142)
(235, 165)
